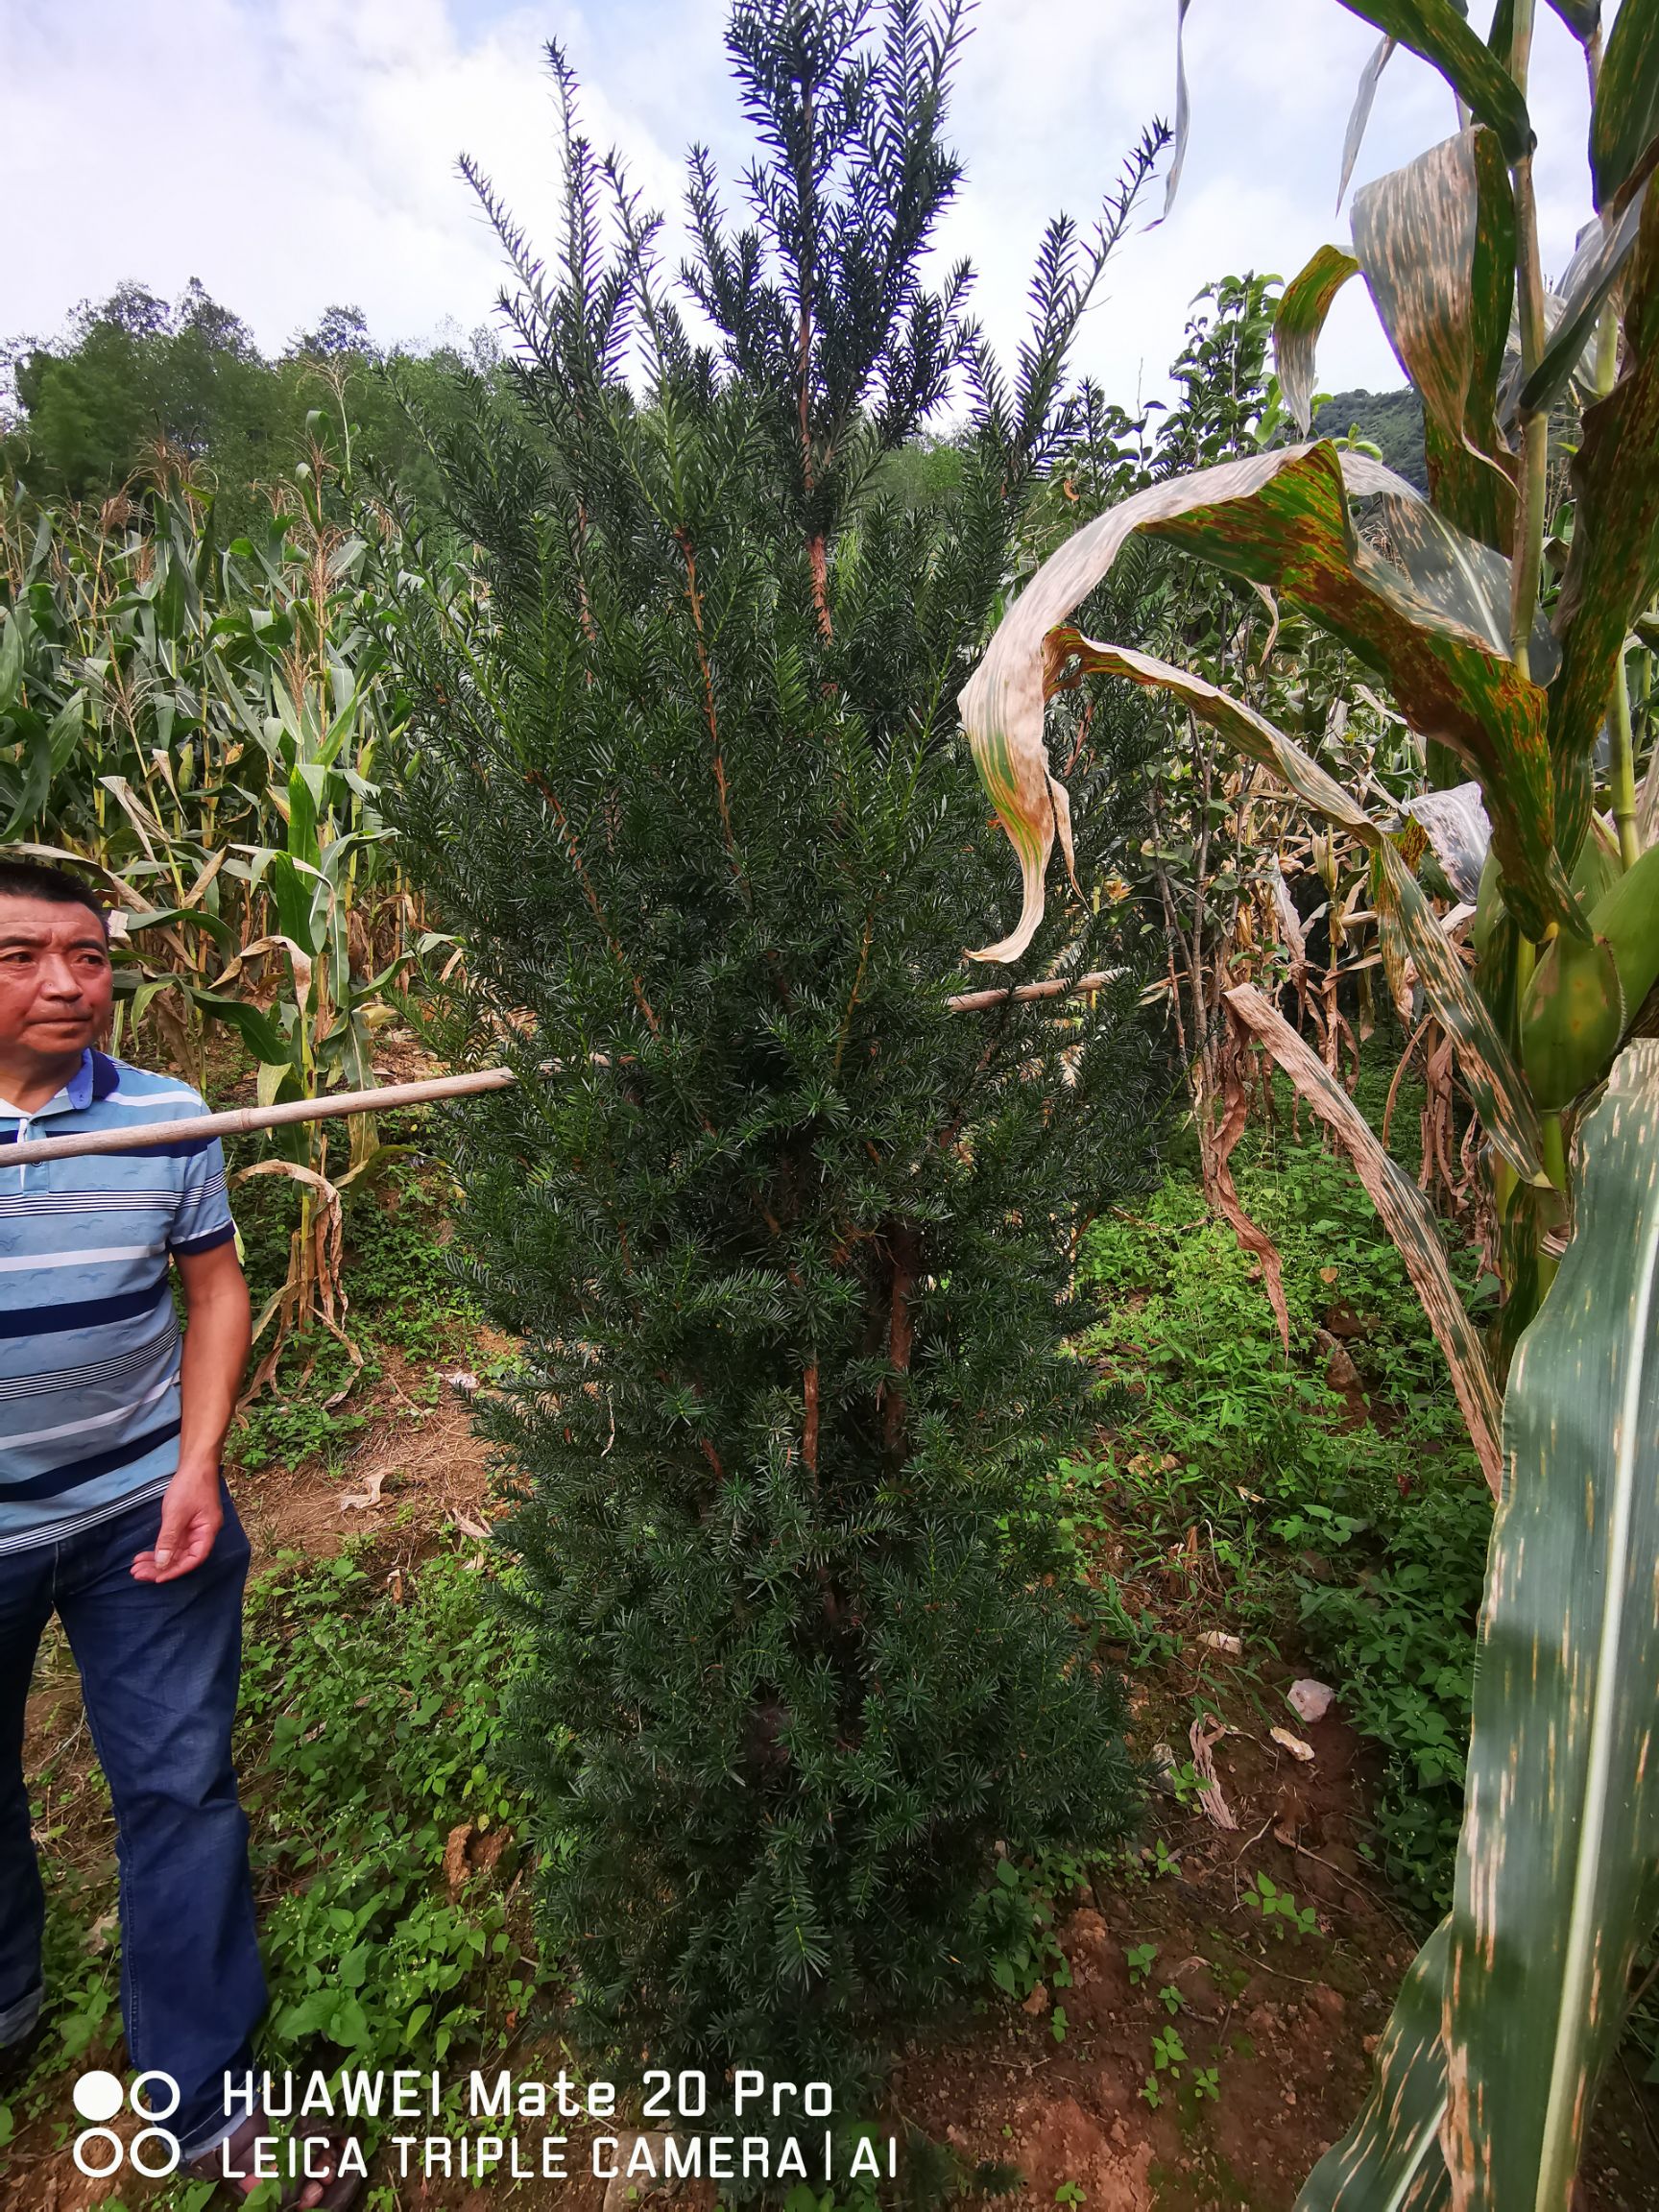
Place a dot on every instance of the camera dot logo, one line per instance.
(99, 2151)
(99, 2095)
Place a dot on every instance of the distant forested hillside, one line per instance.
(81, 415)
(1390, 420)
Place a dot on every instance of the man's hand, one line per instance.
(191, 1517)
(215, 1353)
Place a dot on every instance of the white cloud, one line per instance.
(290, 154)
(297, 153)
(1052, 91)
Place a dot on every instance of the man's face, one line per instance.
(55, 982)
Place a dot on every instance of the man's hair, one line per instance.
(33, 880)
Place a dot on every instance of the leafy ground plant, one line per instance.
(385, 1841)
(373, 1729)
(1353, 1523)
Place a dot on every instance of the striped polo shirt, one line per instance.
(89, 1343)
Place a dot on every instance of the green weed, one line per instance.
(1015, 1913)
(373, 1738)
(383, 1838)
(1279, 1909)
(1366, 1539)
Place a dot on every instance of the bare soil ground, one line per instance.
(1286, 2023)
(415, 1455)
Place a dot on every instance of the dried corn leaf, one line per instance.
(1406, 1216)
(1439, 31)
(1279, 519)
(1211, 1802)
(1494, 1082)
(1436, 241)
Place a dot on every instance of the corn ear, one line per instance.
(1572, 1016)
(1627, 916)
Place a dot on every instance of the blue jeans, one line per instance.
(159, 1666)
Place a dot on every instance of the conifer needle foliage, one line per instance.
(789, 1239)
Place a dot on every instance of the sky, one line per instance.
(299, 153)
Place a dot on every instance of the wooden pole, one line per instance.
(242, 1119)
(1056, 987)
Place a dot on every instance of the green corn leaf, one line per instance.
(1303, 307)
(307, 788)
(213, 925)
(1550, 1908)
(141, 996)
(1281, 519)
(68, 725)
(46, 748)
(291, 893)
(1390, 2160)
(1405, 1212)
(11, 657)
(1613, 569)
(1627, 917)
(339, 730)
(1182, 108)
(255, 1028)
(1364, 96)
(1626, 119)
(1592, 276)
(1436, 241)
(1438, 32)
(1582, 17)
(1488, 1068)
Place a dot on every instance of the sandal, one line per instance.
(233, 2152)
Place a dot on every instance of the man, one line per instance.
(114, 1515)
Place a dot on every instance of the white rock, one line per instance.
(1312, 1699)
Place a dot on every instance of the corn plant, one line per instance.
(1226, 844)
(1508, 637)
(202, 725)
